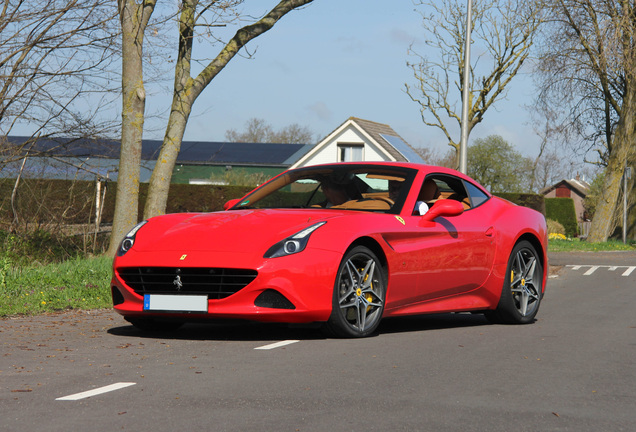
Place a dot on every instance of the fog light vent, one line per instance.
(118, 298)
(273, 299)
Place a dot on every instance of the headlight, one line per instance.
(292, 244)
(129, 239)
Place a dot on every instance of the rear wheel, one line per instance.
(358, 295)
(521, 293)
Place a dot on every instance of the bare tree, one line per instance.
(430, 156)
(193, 15)
(553, 162)
(259, 131)
(293, 134)
(256, 130)
(503, 31)
(187, 89)
(588, 69)
(57, 58)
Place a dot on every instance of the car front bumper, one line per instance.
(305, 280)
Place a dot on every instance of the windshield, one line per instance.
(343, 186)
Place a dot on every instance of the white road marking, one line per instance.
(97, 391)
(277, 345)
(592, 268)
(629, 271)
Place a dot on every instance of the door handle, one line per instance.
(490, 232)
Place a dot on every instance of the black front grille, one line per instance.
(216, 283)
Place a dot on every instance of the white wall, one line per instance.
(328, 152)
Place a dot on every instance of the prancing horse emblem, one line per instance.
(177, 282)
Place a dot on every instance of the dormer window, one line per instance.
(350, 152)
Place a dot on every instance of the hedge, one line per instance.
(42, 202)
(562, 210)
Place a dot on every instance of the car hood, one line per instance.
(231, 231)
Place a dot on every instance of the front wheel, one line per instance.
(522, 290)
(358, 295)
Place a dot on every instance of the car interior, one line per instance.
(438, 187)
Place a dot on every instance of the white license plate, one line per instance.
(175, 303)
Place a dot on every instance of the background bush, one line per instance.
(555, 227)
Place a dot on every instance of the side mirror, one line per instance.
(231, 203)
(443, 207)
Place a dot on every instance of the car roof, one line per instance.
(425, 168)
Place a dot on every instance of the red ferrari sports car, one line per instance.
(345, 245)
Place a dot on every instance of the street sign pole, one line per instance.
(463, 143)
(627, 174)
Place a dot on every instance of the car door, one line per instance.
(451, 255)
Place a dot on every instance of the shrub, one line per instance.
(555, 227)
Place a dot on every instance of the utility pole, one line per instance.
(627, 174)
(463, 143)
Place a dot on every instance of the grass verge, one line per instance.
(79, 283)
(575, 245)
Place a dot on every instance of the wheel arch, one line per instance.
(543, 254)
(373, 245)
(534, 241)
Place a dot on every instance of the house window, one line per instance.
(350, 152)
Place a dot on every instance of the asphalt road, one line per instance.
(574, 369)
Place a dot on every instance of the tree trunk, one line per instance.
(134, 18)
(182, 100)
(604, 222)
(162, 174)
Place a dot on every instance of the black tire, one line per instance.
(154, 325)
(358, 295)
(522, 289)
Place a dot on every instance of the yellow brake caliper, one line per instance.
(369, 297)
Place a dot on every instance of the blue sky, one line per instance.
(332, 60)
(320, 65)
